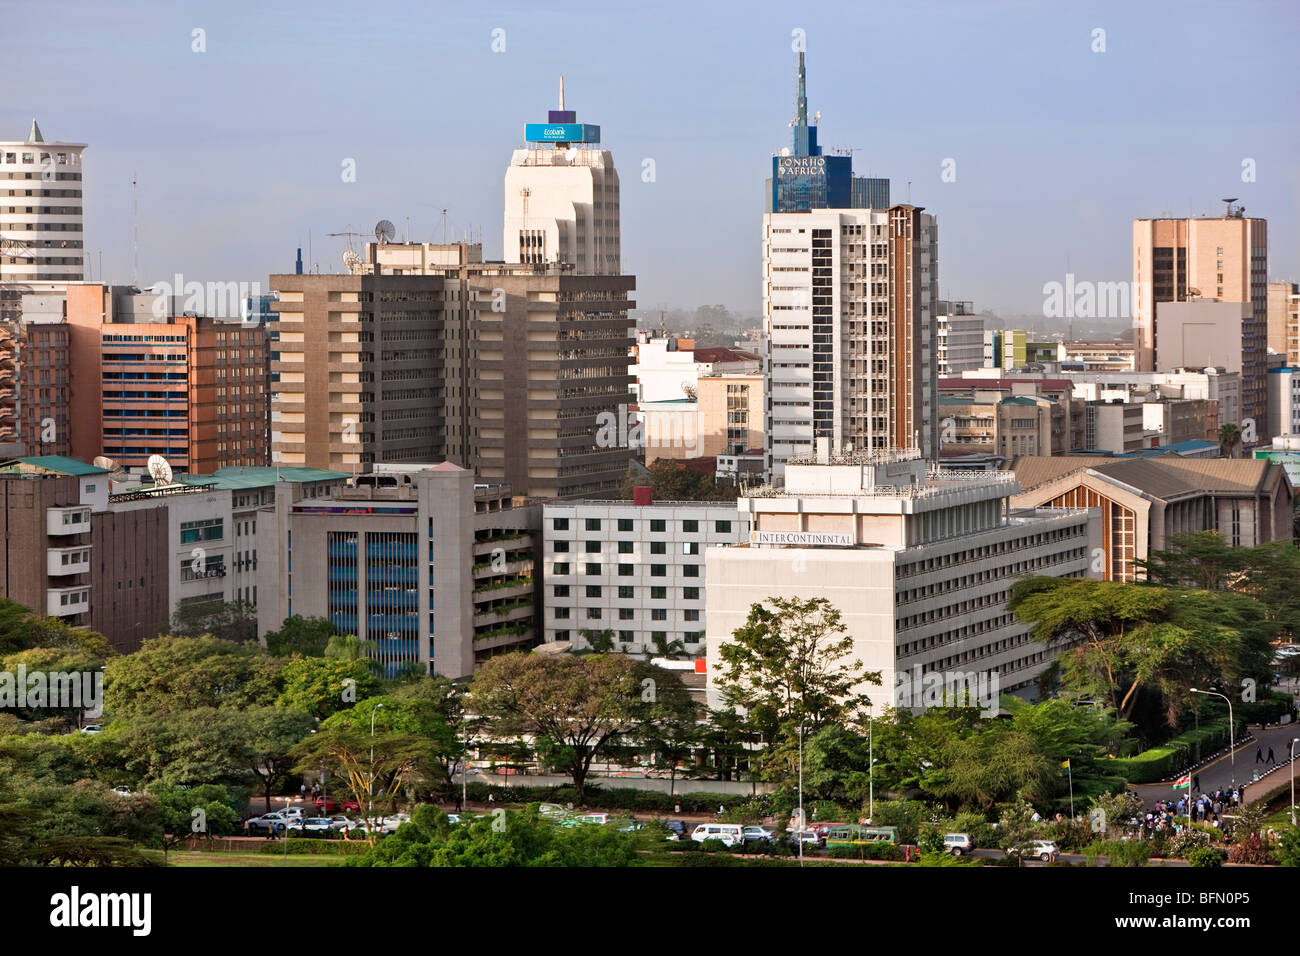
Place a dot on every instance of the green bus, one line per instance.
(854, 835)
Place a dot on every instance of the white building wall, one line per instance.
(678, 616)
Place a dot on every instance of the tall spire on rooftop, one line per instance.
(34, 136)
(561, 92)
(801, 95)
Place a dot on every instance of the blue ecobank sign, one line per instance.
(562, 133)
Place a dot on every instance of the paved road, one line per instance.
(1240, 766)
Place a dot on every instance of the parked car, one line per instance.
(122, 791)
(453, 818)
(293, 813)
(958, 843)
(330, 805)
(808, 838)
(312, 825)
(729, 833)
(1045, 850)
(553, 811)
(274, 821)
(390, 824)
(92, 728)
(758, 835)
(676, 828)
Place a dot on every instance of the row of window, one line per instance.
(627, 614)
(628, 592)
(986, 551)
(626, 547)
(991, 574)
(628, 570)
(657, 525)
(629, 637)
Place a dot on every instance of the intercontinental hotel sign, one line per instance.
(803, 539)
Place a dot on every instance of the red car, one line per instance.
(330, 805)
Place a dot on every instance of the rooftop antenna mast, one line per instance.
(444, 227)
(135, 233)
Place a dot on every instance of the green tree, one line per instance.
(348, 647)
(787, 666)
(1018, 829)
(179, 673)
(1119, 638)
(1229, 440)
(376, 766)
(1199, 559)
(227, 620)
(598, 642)
(321, 686)
(269, 735)
(575, 707)
(207, 811)
(22, 629)
(304, 636)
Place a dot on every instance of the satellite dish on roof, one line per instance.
(159, 470)
(385, 231)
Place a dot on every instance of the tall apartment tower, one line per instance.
(1224, 260)
(41, 235)
(561, 197)
(959, 345)
(849, 306)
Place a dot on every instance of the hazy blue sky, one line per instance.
(238, 150)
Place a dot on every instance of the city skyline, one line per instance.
(1053, 151)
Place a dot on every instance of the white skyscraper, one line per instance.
(561, 197)
(849, 306)
(40, 210)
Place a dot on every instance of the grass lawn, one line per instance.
(240, 858)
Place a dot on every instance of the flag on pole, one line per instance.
(1182, 781)
(1065, 764)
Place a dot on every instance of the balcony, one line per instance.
(66, 561)
(70, 519)
(66, 602)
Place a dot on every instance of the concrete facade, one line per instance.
(849, 304)
(923, 578)
(436, 571)
(638, 570)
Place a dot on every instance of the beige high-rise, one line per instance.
(1284, 320)
(1224, 259)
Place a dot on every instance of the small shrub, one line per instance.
(1204, 856)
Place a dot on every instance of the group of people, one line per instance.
(1206, 808)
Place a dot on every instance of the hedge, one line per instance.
(1160, 763)
(306, 846)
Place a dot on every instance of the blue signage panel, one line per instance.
(561, 133)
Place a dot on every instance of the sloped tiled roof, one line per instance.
(1162, 476)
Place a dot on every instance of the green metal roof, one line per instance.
(240, 478)
(58, 464)
(1019, 400)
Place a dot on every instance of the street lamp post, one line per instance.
(871, 771)
(1294, 741)
(799, 830)
(370, 786)
(1232, 739)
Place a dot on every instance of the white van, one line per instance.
(729, 833)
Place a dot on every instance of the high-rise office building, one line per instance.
(804, 178)
(40, 212)
(1205, 260)
(358, 370)
(147, 378)
(561, 197)
(849, 305)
